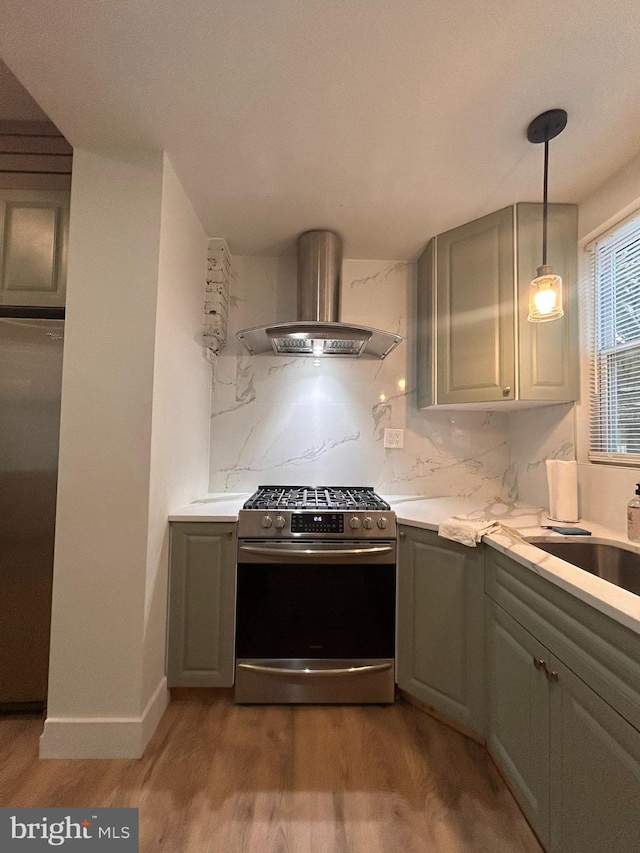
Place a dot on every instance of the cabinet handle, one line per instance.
(506, 390)
(403, 535)
(550, 674)
(306, 673)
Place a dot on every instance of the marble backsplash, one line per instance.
(535, 435)
(304, 421)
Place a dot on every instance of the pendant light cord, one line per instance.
(544, 206)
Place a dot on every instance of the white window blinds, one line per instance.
(615, 342)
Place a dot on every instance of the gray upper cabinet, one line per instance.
(200, 643)
(440, 657)
(34, 228)
(475, 345)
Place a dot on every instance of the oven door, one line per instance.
(315, 621)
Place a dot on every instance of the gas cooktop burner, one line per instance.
(316, 498)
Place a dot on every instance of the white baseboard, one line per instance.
(152, 714)
(103, 737)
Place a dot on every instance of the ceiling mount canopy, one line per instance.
(545, 291)
(547, 126)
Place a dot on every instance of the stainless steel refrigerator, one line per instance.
(30, 382)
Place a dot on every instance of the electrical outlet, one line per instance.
(394, 438)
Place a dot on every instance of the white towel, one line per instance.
(465, 531)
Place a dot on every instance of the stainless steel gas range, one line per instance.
(315, 616)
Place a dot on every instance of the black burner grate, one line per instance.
(316, 498)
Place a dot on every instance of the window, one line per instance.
(615, 368)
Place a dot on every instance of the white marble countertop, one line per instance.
(428, 513)
(526, 521)
(217, 506)
(619, 604)
(523, 519)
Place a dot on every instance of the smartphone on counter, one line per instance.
(567, 531)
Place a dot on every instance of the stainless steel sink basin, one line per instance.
(609, 562)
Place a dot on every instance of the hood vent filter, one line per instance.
(324, 339)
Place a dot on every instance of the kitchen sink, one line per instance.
(609, 562)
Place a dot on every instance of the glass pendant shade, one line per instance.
(545, 296)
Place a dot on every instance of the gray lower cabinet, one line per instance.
(563, 711)
(595, 771)
(202, 579)
(440, 654)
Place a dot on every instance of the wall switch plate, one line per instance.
(394, 438)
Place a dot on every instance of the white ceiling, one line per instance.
(387, 120)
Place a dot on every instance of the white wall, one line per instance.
(562, 432)
(604, 489)
(130, 230)
(181, 404)
(617, 197)
(293, 421)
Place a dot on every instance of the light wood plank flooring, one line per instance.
(221, 778)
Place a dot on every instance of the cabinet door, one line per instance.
(201, 605)
(519, 714)
(440, 656)
(595, 771)
(475, 295)
(33, 247)
(548, 352)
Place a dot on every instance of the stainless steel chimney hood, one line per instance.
(317, 331)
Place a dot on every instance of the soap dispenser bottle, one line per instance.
(633, 517)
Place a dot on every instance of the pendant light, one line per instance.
(545, 291)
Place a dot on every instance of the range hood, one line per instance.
(317, 331)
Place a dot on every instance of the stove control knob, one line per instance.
(368, 523)
(382, 523)
(266, 521)
(280, 522)
(354, 523)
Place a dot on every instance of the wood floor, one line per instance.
(285, 779)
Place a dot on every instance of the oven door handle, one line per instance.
(328, 553)
(346, 670)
